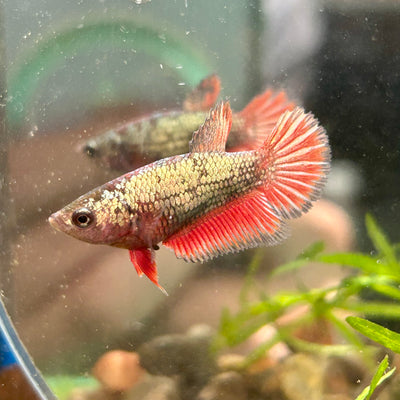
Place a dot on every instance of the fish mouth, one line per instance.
(54, 221)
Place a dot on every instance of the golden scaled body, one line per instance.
(157, 200)
(207, 202)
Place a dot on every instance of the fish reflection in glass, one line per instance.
(162, 135)
(207, 202)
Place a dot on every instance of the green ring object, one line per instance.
(49, 54)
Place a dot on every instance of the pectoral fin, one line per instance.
(144, 262)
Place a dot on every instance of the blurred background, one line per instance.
(72, 69)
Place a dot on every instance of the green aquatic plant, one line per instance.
(378, 271)
(379, 377)
(377, 333)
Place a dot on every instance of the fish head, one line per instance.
(110, 150)
(102, 146)
(99, 217)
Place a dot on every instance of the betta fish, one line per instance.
(161, 135)
(207, 202)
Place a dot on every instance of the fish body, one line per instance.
(162, 135)
(143, 208)
(207, 202)
(144, 140)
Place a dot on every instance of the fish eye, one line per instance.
(89, 150)
(82, 218)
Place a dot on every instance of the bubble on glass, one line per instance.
(33, 131)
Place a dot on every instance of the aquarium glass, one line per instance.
(73, 70)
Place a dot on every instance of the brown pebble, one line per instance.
(225, 386)
(301, 377)
(177, 354)
(264, 380)
(154, 388)
(118, 370)
(319, 331)
(230, 362)
(339, 396)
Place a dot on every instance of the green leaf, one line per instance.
(261, 350)
(374, 308)
(236, 329)
(376, 332)
(345, 330)
(366, 264)
(316, 348)
(290, 266)
(250, 274)
(386, 290)
(378, 375)
(311, 251)
(377, 380)
(302, 259)
(381, 243)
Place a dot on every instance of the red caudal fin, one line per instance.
(296, 157)
(261, 115)
(241, 224)
(144, 263)
(204, 96)
(244, 222)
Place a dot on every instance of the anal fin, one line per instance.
(243, 223)
(144, 262)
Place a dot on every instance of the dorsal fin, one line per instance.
(212, 135)
(204, 95)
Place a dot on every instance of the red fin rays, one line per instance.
(289, 170)
(144, 263)
(261, 115)
(297, 155)
(294, 161)
(241, 224)
(204, 96)
(212, 135)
